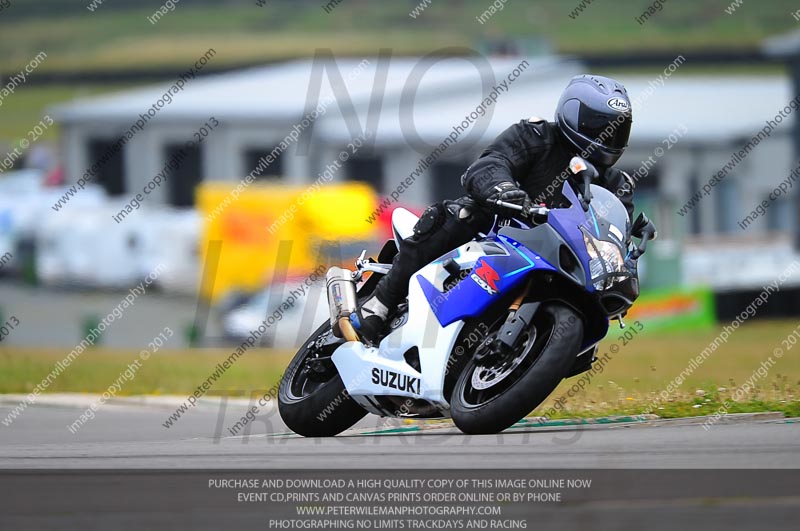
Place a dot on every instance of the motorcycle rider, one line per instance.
(592, 120)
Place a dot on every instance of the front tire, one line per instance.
(312, 399)
(481, 406)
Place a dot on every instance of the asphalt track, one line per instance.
(133, 436)
(125, 470)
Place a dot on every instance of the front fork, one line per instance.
(518, 322)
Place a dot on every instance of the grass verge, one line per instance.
(166, 372)
(119, 37)
(635, 379)
(652, 373)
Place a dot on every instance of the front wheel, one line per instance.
(494, 393)
(312, 399)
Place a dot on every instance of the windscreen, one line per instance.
(609, 212)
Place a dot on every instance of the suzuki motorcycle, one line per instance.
(488, 330)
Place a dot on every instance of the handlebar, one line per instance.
(526, 212)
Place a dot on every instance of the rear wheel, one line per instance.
(495, 392)
(312, 399)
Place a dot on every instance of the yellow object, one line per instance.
(265, 230)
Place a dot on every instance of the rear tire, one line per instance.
(491, 410)
(315, 403)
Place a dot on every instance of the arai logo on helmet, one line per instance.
(619, 104)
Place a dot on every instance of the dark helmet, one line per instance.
(594, 115)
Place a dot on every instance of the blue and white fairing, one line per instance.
(497, 264)
(469, 299)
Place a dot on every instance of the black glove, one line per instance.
(508, 193)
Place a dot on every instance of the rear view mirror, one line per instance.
(588, 173)
(644, 229)
(643, 225)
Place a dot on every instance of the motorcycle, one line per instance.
(487, 331)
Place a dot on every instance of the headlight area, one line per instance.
(606, 264)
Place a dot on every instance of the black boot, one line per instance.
(369, 319)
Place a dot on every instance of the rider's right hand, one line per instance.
(508, 192)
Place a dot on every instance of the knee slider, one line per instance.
(462, 208)
(431, 220)
(466, 210)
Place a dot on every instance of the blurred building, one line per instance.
(258, 108)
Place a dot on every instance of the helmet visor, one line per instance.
(610, 130)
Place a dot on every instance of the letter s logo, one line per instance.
(488, 275)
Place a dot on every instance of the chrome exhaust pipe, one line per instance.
(342, 301)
